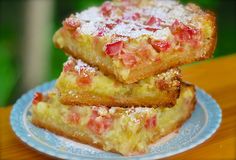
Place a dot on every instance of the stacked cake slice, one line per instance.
(80, 83)
(119, 89)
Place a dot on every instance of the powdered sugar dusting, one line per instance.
(88, 28)
(91, 14)
(161, 34)
(81, 65)
(142, 110)
(130, 20)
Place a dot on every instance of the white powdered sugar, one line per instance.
(112, 110)
(169, 11)
(142, 109)
(91, 14)
(133, 111)
(93, 22)
(88, 28)
(161, 34)
(81, 65)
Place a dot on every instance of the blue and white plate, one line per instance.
(204, 122)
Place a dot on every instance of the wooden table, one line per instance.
(217, 77)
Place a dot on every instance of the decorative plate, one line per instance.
(205, 120)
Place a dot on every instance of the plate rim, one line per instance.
(207, 102)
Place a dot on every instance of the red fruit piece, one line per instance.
(152, 20)
(183, 33)
(110, 26)
(151, 29)
(128, 59)
(83, 80)
(69, 66)
(71, 23)
(101, 32)
(151, 122)
(106, 9)
(37, 98)
(136, 16)
(118, 21)
(114, 49)
(99, 124)
(73, 117)
(160, 46)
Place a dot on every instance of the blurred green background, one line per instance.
(28, 57)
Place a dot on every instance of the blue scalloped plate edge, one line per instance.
(213, 110)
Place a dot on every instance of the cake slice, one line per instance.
(133, 40)
(80, 83)
(128, 131)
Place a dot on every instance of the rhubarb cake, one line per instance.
(128, 131)
(133, 40)
(80, 83)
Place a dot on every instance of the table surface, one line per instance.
(217, 77)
